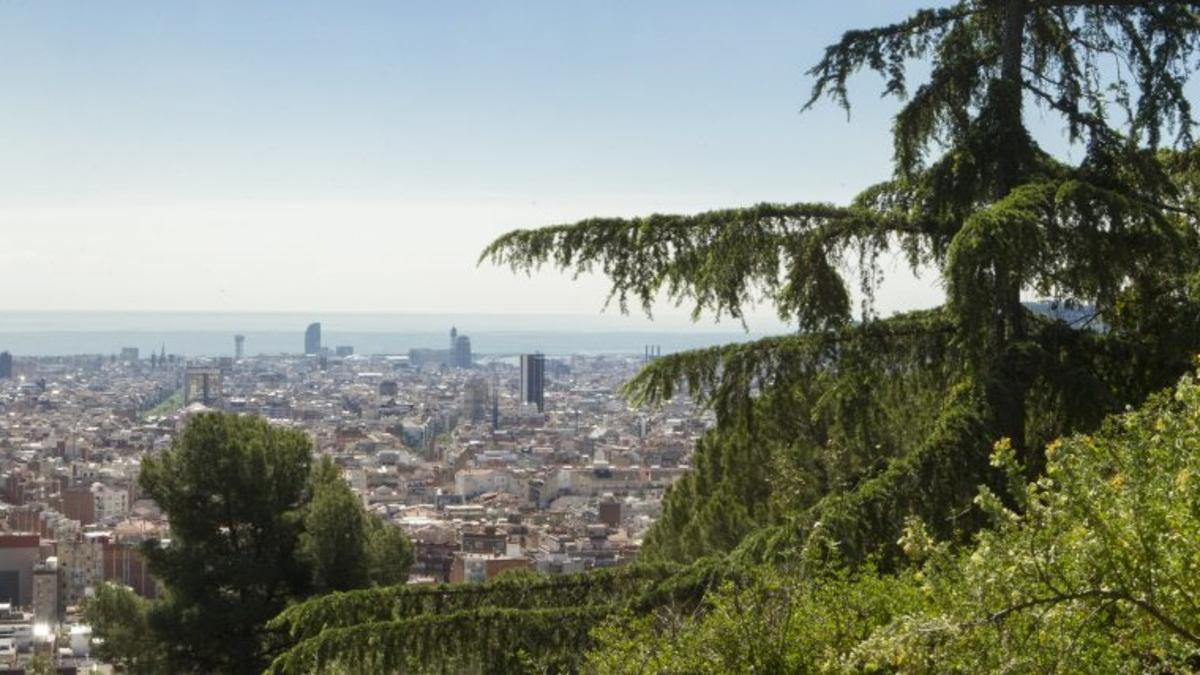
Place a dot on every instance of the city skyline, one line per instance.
(599, 336)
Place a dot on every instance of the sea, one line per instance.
(210, 334)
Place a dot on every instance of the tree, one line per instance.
(389, 553)
(41, 665)
(512, 623)
(335, 532)
(347, 547)
(120, 619)
(255, 525)
(881, 418)
(834, 439)
(773, 623)
(232, 488)
(1095, 572)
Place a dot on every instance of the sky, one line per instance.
(357, 156)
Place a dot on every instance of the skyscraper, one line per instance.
(461, 356)
(495, 402)
(6, 365)
(460, 351)
(312, 339)
(533, 380)
(239, 346)
(475, 399)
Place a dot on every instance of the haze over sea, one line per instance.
(202, 334)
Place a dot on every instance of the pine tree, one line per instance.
(255, 526)
(388, 552)
(831, 438)
(874, 419)
(232, 487)
(334, 538)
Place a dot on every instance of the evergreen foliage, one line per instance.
(254, 527)
(335, 535)
(388, 552)
(232, 487)
(856, 424)
(1093, 569)
(849, 457)
(513, 623)
(120, 620)
(345, 547)
(41, 665)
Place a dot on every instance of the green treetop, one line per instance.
(873, 419)
(1095, 572)
(232, 488)
(846, 448)
(254, 527)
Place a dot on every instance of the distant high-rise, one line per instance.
(239, 346)
(6, 366)
(533, 380)
(495, 403)
(312, 339)
(460, 351)
(475, 398)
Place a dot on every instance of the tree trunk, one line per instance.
(1009, 395)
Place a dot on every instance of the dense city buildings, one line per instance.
(487, 464)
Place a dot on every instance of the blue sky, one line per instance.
(355, 156)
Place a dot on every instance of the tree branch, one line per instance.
(1095, 593)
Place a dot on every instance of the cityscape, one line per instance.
(487, 463)
(593, 338)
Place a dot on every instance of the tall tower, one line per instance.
(6, 365)
(459, 355)
(533, 380)
(312, 339)
(495, 402)
(239, 346)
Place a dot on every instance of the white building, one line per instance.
(109, 503)
(474, 482)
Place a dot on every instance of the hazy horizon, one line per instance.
(232, 321)
(208, 334)
(286, 156)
